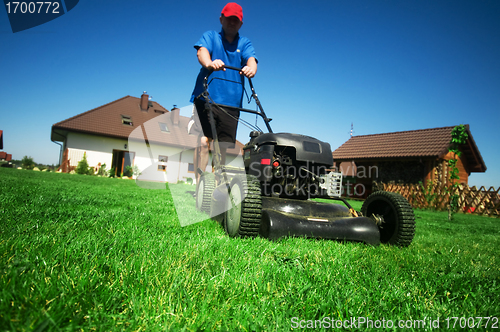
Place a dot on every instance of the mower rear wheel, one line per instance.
(393, 215)
(204, 191)
(244, 207)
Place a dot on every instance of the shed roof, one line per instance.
(432, 142)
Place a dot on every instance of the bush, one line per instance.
(129, 171)
(83, 166)
(28, 162)
(137, 171)
(102, 171)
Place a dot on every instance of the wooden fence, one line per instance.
(480, 201)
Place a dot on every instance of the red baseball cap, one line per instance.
(233, 9)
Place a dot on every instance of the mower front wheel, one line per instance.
(204, 191)
(244, 207)
(393, 215)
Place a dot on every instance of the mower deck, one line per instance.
(305, 218)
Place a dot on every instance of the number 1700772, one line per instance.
(38, 7)
(472, 322)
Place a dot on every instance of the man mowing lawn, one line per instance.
(214, 51)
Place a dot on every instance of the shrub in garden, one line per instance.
(102, 171)
(83, 166)
(28, 162)
(129, 171)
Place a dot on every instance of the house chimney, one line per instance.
(175, 115)
(144, 101)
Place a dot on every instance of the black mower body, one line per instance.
(272, 195)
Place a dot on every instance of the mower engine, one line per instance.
(291, 166)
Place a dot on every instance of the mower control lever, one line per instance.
(232, 68)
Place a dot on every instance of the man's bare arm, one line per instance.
(251, 68)
(205, 60)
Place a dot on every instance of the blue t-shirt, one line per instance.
(235, 54)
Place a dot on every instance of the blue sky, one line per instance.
(384, 66)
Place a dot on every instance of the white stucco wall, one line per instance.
(147, 160)
(100, 150)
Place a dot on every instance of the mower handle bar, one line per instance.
(261, 113)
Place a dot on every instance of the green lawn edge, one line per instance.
(86, 253)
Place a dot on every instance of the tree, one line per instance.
(459, 137)
(83, 166)
(28, 162)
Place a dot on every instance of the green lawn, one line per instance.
(88, 253)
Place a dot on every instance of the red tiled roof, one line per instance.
(407, 144)
(106, 121)
(5, 156)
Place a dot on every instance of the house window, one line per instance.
(162, 163)
(190, 168)
(160, 112)
(127, 120)
(163, 127)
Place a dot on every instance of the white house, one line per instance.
(130, 131)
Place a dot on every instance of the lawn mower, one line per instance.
(274, 193)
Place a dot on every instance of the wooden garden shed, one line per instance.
(405, 157)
